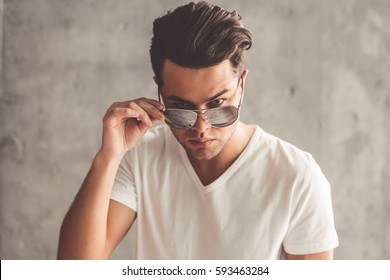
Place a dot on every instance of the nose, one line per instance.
(201, 124)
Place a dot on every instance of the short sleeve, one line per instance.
(124, 190)
(311, 228)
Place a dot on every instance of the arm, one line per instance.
(327, 255)
(94, 225)
(89, 230)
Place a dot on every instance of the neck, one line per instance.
(211, 169)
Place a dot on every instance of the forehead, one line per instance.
(196, 84)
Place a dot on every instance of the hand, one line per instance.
(125, 123)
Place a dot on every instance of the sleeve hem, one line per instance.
(311, 248)
(127, 201)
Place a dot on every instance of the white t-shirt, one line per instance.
(273, 199)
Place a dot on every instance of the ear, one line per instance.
(244, 74)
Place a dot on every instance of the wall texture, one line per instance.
(319, 78)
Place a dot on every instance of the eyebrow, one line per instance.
(176, 98)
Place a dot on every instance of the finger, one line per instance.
(116, 115)
(153, 102)
(152, 107)
(143, 127)
(125, 104)
(143, 115)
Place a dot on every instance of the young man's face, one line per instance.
(194, 89)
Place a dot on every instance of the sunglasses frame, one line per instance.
(196, 111)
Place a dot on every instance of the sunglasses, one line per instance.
(217, 117)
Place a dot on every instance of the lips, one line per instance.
(200, 142)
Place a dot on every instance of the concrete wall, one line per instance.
(319, 78)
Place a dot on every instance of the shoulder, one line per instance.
(282, 153)
(156, 138)
(157, 142)
(285, 163)
(156, 133)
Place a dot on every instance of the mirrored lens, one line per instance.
(221, 117)
(185, 119)
(180, 119)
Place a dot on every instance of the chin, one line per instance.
(200, 155)
(203, 154)
(198, 152)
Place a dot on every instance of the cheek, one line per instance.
(227, 129)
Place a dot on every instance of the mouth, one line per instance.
(200, 142)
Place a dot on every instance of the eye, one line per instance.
(217, 102)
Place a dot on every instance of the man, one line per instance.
(224, 189)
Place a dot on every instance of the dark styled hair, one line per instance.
(198, 35)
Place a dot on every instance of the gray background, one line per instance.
(319, 78)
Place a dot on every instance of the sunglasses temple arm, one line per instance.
(242, 93)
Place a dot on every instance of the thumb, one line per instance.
(142, 127)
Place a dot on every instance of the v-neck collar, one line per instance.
(221, 180)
